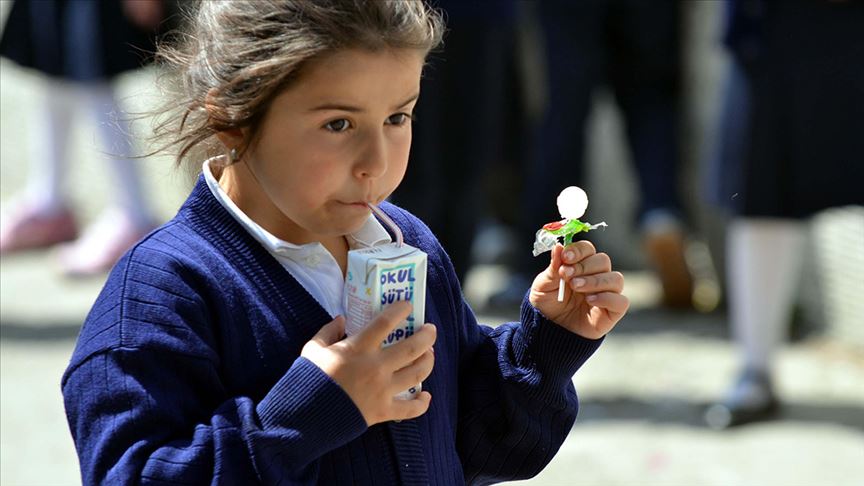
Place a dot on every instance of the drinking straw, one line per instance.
(389, 222)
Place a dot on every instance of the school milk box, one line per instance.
(377, 277)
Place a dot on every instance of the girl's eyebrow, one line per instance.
(409, 100)
(357, 109)
(330, 106)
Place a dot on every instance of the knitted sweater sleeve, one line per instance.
(517, 402)
(145, 402)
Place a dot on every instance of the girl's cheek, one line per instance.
(322, 173)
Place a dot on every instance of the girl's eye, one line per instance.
(398, 119)
(338, 125)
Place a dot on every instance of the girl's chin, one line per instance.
(350, 223)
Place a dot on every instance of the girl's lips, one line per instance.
(357, 205)
(363, 203)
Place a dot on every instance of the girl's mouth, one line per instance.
(357, 204)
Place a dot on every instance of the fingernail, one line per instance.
(569, 256)
(568, 271)
(591, 298)
(578, 282)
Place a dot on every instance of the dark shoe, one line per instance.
(752, 399)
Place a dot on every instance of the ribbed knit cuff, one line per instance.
(556, 353)
(308, 401)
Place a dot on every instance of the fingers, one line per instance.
(330, 333)
(602, 282)
(615, 304)
(382, 325)
(556, 257)
(551, 271)
(578, 251)
(409, 409)
(561, 264)
(596, 263)
(406, 351)
(414, 373)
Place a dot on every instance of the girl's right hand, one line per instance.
(372, 375)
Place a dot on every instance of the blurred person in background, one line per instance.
(790, 144)
(468, 92)
(632, 46)
(80, 46)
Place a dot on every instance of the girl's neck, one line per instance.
(252, 207)
(338, 247)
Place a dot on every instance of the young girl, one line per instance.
(216, 352)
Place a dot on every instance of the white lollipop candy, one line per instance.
(572, 202)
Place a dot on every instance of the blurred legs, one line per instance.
(116, 135)
(765, 258)
(48, 157)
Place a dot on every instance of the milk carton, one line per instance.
(379, 276)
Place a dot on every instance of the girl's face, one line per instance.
(336, 139)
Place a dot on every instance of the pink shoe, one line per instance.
(28, 227)
(101, 245)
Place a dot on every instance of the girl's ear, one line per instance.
(232, 138)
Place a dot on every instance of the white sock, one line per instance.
(48, 161)
(765, 258)
(117, 137)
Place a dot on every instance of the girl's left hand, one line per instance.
(593, 303)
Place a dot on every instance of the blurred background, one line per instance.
(497, 89)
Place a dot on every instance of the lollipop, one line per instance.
(572, 203)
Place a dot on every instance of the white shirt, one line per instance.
(310, 264)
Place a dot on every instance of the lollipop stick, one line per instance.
(568, 239)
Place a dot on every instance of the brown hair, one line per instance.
(236, 56)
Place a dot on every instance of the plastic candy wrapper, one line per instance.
(572, 203)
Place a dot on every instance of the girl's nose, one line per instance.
(373, 160)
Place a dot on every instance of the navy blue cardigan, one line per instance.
(187, 371)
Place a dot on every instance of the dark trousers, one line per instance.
(458, 134)
(632, 47)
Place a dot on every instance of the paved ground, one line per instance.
(642, 394)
